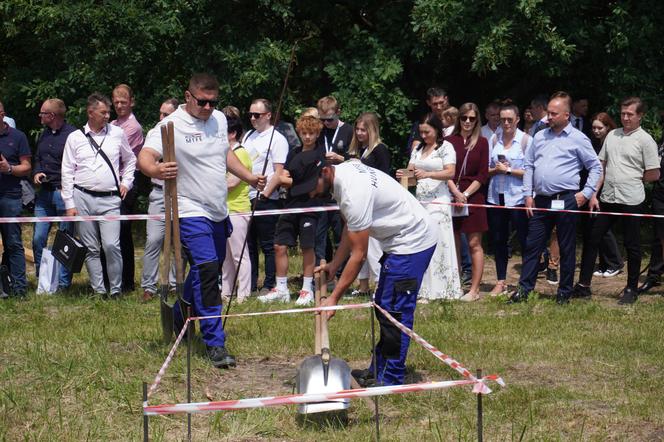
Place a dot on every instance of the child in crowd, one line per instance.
(293, 225)
(450, 116)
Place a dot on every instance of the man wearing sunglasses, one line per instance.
(203, 157)
(47, 174)
(266, 146)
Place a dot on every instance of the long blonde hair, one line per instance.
(370, 121)
(477, 130)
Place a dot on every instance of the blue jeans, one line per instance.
(49, 203)
(13, 246)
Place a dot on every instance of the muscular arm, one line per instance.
(355, 244)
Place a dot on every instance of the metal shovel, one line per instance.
(322, 373)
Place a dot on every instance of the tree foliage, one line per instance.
(373, 55)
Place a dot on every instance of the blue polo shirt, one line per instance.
(13, 146)
(48, 159)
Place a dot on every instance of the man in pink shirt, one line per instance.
(123, 103)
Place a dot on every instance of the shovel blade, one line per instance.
(311, 379)
(166, 314)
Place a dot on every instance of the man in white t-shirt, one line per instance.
(257, 142)
(375, 205)
(203, 156)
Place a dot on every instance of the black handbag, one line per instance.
(69, 251)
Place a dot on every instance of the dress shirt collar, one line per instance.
(627, 134)
(567, 130)
(103, 131)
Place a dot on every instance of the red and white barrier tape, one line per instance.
(293, 310)
(541, 209)
(169, 358)
(171, 353)
(160, 217)
(442, 356)
(271, 401)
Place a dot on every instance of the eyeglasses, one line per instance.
(329, 119)
(202, 103)
(43, 114)
(164, 114)
(507, 120)
(255, 115)
(468, 118)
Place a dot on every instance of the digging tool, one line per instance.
(323, 373)
(171, 238)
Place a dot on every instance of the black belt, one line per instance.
(157, 186)
(95, 193)
(558, 195)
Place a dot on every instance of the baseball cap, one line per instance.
(305, 169)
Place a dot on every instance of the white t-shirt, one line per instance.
(256, 144)
(371, 199)
(201, 147)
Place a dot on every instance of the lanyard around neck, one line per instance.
(330, 146)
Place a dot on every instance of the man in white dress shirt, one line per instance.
(93, 183)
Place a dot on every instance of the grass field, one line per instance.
(72, 366)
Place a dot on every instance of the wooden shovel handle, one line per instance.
(317, 315)
(167, 213)
(324, 337)
(177, 248)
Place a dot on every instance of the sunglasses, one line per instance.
(507, 120)
(255, 115)
(329, 119)
(202, 103)
(43, 114)
(468, 118)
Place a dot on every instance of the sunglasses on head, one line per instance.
(255, 115)
(202, 103)
(468, 118)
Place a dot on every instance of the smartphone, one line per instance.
(502, 158)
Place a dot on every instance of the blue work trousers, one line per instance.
(398, 285)
(204, 243)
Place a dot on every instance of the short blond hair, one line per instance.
(451, 112)
(57, 106)
(310, 112)
(326, 104)
(122, 90)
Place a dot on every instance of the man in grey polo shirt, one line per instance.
(629, 157)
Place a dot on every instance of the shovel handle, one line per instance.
(317, 315)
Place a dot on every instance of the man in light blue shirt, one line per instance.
(551, 181)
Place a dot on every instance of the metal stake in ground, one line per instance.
(479, 410)
(145, 416)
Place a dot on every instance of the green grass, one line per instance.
(72, 367)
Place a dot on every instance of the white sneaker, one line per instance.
(610, 273)
(599, 273)
(275, 295)
(306, 298)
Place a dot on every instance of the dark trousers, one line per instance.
(656, 266)
(499, 231)
(262, 233)
(540, 226)
(328, 221)
(609, 253)
(631, 239)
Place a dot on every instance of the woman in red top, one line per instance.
(469, 186)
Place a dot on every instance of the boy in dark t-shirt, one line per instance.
(290, 226)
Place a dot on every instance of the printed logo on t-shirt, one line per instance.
(365, 169)
(195, 138)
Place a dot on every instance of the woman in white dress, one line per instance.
(434, 162)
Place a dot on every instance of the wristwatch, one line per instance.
(466, 194)
(9, 172)
(509, 171)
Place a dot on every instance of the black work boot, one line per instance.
(364, 377)
(220, 357)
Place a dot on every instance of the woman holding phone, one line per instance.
(508, 149)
